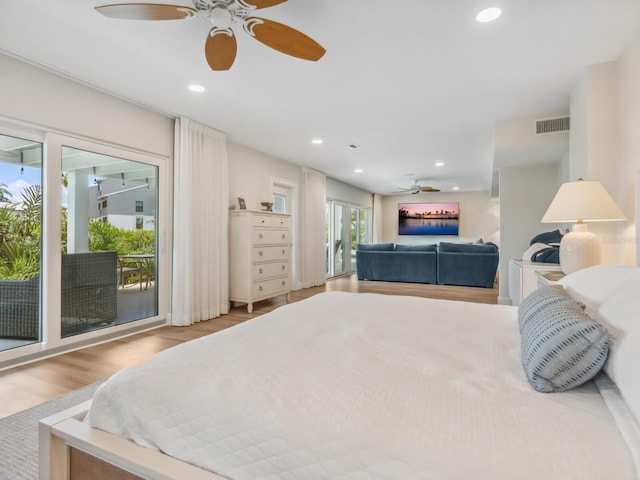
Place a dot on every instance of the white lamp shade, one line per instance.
(582, 202)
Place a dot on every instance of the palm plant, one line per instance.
(5, 194)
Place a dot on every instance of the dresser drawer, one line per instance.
(271, 221)
(266, 270)
(267, 254)
(270, 287)
(270, 237)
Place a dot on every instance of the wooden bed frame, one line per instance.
(70, 449)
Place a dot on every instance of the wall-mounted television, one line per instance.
(428, 218)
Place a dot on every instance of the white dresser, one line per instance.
(523, 279)
(259, 256)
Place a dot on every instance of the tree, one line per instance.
(5, 194)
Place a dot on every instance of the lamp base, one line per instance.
(579, 249)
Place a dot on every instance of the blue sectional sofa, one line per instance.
(444, 264)
(396, 263)
(467, 265)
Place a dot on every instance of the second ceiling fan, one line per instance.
(221, 46)
(416, 188)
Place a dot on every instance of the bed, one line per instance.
(360, 386)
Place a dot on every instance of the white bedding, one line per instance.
(361, 386)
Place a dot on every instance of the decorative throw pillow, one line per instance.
(561, 346)
(534, 303)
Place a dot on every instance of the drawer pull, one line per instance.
(260, 235)
(260, 288)
(260, 253)
(283, 267)
(283, 252)
(283, 283)
(260, 271)
(283, 235)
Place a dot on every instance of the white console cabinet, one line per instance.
(259, 256)
(523, 279)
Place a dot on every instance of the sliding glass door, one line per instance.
(83, 242)
(359, 231)
(346, 225)
(108, 263)
(20, 241)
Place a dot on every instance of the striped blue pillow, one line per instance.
(561, 346)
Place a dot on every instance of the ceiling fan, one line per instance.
(416, 188)
(220, 47)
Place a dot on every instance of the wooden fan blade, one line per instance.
(220, 49)
(284, 39)
(146, 11)
(264, 3)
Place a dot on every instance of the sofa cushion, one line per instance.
(467, 248)
(416, 248)
(376, 247)
(561, 346)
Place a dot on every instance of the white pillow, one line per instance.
(594, 285)
(536, 247)
(620, 315)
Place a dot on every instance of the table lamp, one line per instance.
(581, 202)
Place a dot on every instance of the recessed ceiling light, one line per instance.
(317, 141)
(455, 188)
(488, 14)
(439, 164)
(358, 170)
(196, 88)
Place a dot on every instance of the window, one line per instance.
(139, 223)
(139, 206)
(279, 203)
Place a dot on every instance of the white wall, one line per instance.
(37, 97)
(479, 217)
(337, 190)
(251, 173)
(628, 176)
(605, 144)
(525, 194)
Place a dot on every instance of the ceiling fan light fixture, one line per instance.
(317, 141)
(488, 14)
(358, 170)
(439, 164)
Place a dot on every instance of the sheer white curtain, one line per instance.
(200, 288)
(312, 228)
(377, 218)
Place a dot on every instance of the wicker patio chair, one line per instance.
(89, 290)
(19, 308)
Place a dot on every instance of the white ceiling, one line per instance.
(413, 82)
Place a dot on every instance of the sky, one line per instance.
(16, 182)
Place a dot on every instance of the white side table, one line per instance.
(523, 279)
(547, 278)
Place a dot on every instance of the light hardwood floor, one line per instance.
(29, 385)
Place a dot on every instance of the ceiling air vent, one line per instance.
(552, 125)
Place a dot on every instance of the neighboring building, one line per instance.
(132, 207)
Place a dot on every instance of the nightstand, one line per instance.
(523, 279)
(547, 278)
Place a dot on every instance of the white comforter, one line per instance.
(363, 386)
